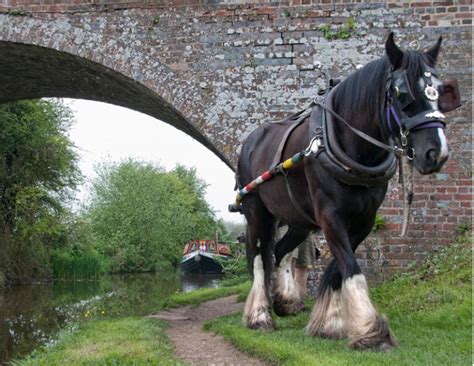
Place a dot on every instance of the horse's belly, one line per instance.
(275, 196)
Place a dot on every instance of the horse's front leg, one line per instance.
(347, 311)
(287, 297)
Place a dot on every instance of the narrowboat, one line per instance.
(200, 256)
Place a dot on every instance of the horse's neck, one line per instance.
(365, 117)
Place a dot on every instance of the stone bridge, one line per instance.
(217, 69)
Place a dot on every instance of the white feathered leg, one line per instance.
(286, 296)
(257, 306)
(366, 328)
(327, 318)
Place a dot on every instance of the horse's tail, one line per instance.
(252, 203)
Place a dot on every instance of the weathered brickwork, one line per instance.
(217, 69)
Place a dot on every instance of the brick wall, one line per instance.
(231, 65)
(432, 13)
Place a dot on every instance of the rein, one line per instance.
(370, 139)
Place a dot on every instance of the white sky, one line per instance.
(105, 132)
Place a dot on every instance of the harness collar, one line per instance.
(323, 139)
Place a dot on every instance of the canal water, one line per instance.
(31, 316)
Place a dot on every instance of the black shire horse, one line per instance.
(397, 100)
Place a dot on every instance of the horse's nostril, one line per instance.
(431, 155)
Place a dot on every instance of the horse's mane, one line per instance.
(360, 97)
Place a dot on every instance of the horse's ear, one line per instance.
(394, 54)
(432, 53)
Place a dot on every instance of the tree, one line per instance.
(142, 215)
(38, 170)
(235, 230)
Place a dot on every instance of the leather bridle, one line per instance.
(399, 97)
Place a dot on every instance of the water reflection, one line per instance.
(193, 282)
(31, 316)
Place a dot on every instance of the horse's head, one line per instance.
(417, 99)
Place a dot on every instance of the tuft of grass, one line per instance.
(73, 267)
(126, 341)
(195, 298)
(429, 312)
(17, 12)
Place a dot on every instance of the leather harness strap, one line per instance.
(297, 119)
(359, 132)
(295, 203)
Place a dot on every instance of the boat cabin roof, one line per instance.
(209, 246)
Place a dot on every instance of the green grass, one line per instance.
(429, 312)
(84, 266)
(126, 341)
(195, 298)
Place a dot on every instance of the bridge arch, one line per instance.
(36, 63)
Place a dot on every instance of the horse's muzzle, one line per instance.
(432, 162)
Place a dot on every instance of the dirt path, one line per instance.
(197, 347)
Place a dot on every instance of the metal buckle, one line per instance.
(313, 146)
(398, 151)
(403, 137)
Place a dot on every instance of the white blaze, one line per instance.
(443, 153)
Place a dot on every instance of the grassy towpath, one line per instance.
(197, 347)
(123, 341)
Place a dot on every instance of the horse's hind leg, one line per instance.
(260, 246)
(287, 296)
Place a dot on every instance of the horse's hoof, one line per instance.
(260, 319)
(379, 345)
(333, 333)
(379, 339)
(265, 325)
(285, 307)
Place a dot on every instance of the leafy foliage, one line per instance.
(38, 169)
(234, 230)
(235, 268)
(380, 223)
(344, 31)
(142, 215)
